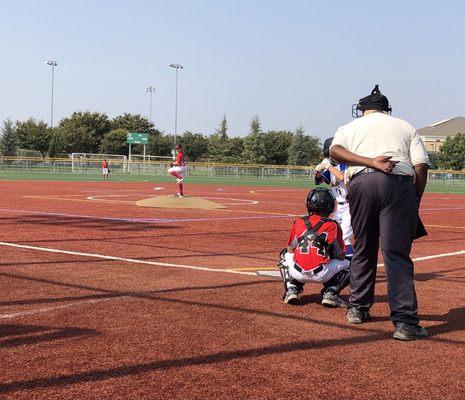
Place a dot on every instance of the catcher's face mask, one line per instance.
(374, 101)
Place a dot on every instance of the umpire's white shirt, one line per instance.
(379, 134)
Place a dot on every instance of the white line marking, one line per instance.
(442, 209)
(143, 220)
(238, 201)
(276, 274)
(128, 260)
(47, 309)
(268, 274)
(183, 266)
(439, 256)
(433, 256)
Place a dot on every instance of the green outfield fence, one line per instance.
(123, 168)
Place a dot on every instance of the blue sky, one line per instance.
(289, 62)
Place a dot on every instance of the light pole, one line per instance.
(53, 64)
(176, 67)
(151, 90)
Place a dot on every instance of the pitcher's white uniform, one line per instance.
(342, 212)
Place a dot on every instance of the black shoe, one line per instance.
(356, 316)
(405, 331)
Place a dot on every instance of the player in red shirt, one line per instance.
(105, 170)
(315, 252)
(178, 167)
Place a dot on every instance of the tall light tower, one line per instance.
(151, 90)
(53, 64)
(177, 67)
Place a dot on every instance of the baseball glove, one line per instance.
(318, 178)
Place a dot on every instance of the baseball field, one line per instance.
(103, 299)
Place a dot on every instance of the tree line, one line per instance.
(94, 132)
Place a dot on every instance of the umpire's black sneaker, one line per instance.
(356, 316)
(406, 331)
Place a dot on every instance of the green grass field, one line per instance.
(434, 186)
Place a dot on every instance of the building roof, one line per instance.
(448, 127)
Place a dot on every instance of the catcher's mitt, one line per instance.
(318, 178)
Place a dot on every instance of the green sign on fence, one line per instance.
(137, 138)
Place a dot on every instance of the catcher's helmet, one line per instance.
(326, 146)
(374, 101)
(320, 201)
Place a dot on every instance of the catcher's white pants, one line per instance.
(328, 271)
(178, 169)
(342, 217)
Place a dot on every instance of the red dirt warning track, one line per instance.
(141, 303)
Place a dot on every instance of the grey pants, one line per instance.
(384, 208)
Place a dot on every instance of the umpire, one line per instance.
(387, 174)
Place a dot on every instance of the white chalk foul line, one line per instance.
(127, 260)
(47, 309)
(456, 253)
(134, 261)
(275, 274)
(143, 220)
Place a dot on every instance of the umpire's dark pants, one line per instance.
(384, 208)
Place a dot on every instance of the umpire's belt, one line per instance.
(313, 271)
(372, 170)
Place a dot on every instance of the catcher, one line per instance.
(315, 253)
(332, 174)
(178, 168)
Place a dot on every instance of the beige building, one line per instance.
(436, 134)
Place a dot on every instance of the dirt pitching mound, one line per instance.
(179, 202)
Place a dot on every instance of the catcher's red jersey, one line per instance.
(308, 256)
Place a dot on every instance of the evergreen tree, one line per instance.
(8, 138)
(304, 149)
(254, 144)
(222, 130)
(277, 145)
(219, 143)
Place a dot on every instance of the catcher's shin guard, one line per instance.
(283, 268)
(338, 282)
(288, 280)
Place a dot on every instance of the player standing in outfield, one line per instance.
(105, 170)
(178, 168)
(333, 174)
(315, 252)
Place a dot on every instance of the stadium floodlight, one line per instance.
(177, 67)
(53, 64)
(151, 90)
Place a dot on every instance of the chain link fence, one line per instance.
(437, 179)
